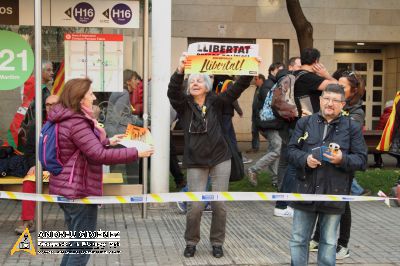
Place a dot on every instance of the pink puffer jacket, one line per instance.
(80, 145)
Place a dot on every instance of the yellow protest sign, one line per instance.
(218, 65)
(24, 243)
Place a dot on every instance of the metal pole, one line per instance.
(38, 108)
(145, 93)
(160, 111)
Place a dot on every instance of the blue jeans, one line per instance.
(356, 189)
(78, 217)
(303, 226)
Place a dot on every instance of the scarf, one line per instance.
(387, 134)
(99, 131)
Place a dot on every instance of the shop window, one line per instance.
(344, 66)
(376, 110)
(378, 65)
(360, 66)
(377, 96)
(377, 81)
(375, 123)
(280, 51)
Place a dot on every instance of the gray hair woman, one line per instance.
(206, 152)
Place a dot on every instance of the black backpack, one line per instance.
(12, 164)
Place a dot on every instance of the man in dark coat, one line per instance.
(327, 173)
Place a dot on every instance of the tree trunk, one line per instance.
(303, 27)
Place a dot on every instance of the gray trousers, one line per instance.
(271, 158)
(197, 181)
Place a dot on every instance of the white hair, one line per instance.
(206, 78)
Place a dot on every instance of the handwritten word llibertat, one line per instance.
(209, 65)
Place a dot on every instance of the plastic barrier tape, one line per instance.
(189, 196)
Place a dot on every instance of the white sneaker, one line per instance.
(288, 212)
(342, 252)
(246, 160)
(313, 246)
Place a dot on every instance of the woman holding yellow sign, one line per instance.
(206, 152)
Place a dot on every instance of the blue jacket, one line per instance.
(326, 178)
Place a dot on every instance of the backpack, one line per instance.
(266, 112)
(48, 148)
(12, 164)
(283, 102)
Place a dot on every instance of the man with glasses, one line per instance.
(29, 184)
(321, 171)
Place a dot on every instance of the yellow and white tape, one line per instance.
(189, 196)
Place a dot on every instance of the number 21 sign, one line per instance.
(16, 60)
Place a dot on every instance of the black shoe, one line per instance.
(217, 251)
(189, 251)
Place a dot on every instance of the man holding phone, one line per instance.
(323, 172)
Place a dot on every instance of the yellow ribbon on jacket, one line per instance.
(386, 138)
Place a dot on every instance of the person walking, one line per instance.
(270, 131)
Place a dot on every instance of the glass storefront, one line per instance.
(14, 103)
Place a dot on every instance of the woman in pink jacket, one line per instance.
(83, 151)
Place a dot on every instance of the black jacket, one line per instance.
(326, 178)
(262, 94)
(203, 148)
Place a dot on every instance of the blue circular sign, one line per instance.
(83, 12)
(121, 14)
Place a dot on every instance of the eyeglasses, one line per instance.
(327, 99)
(348, 73)
(50, 104)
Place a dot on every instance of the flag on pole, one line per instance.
(386, 138)
(58, 84)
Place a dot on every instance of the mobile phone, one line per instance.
(316, 153)
(325, 149)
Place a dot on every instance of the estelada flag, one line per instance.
(386, 138)
(59, 81)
